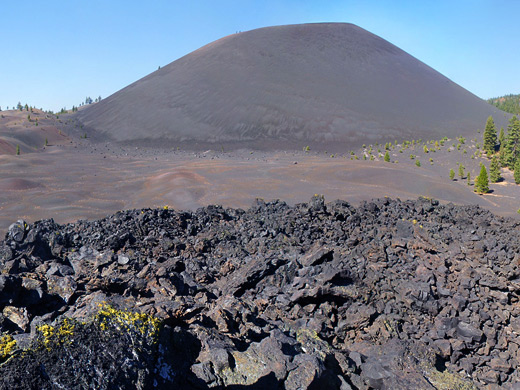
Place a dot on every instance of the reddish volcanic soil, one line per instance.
(86, 181)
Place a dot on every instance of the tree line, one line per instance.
(503, 150)
(509, 103)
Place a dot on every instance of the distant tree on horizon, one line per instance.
(490, 136)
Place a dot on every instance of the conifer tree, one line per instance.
(517, 171)
(502, 154)
(452, 174)
(461, 171)
(387, 157)
(490, 136)
(501, 136)
(469, 178)
(494, 170)
(482, 181)
(512, 142)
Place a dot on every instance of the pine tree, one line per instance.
(502, 154)
(387, 157)
(517, 171)
(501, 136)
(469, 178)
(494, 170)
(461, 171)
(452, 174)
(512, 142)
(17, 150)
(482, 181)
(490, 136)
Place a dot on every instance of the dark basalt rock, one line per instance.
(389, 295)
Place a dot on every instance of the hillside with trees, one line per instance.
(509, 103)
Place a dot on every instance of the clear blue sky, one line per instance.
(54, 53)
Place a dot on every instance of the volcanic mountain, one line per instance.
(330, 85)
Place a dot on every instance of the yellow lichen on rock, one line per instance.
(128, 321)
(7, 346)
(56, 335)
(449, 381)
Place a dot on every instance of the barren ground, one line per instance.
(74, 179)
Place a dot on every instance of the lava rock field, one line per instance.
(388, 295)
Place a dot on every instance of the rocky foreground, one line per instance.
(390, 295)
